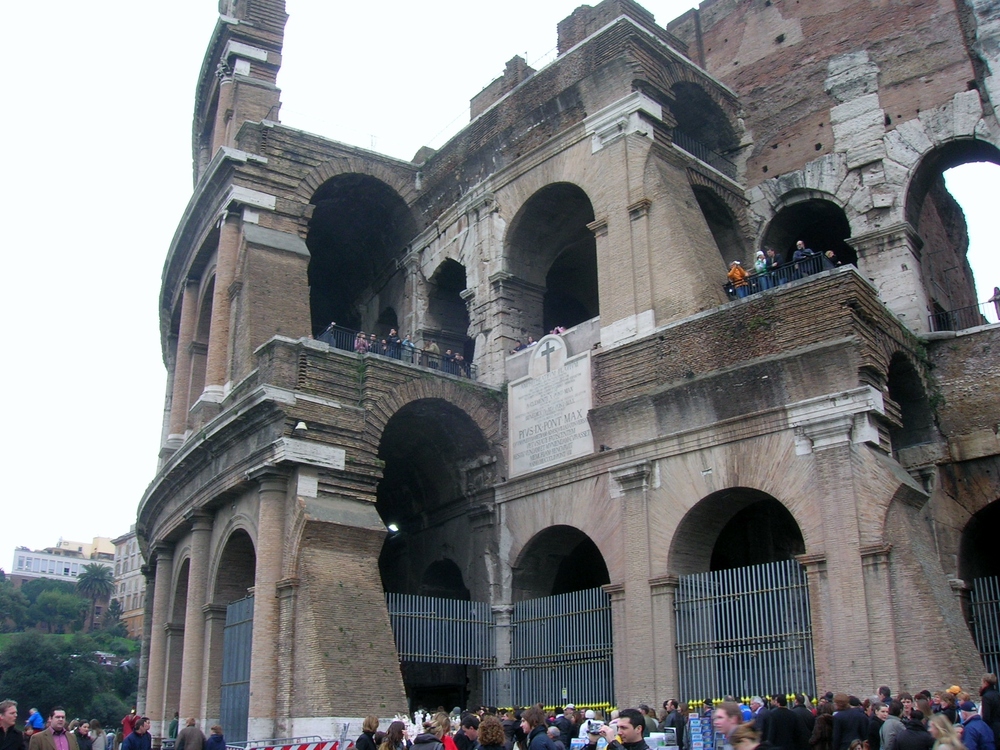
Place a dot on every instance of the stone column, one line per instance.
(161, 560)
(217, 367)
(287, 594)
(182, 366)
(630, 484)
(620, 666)
(272, 493)
(193, 661)
(878, 596)
(890, 259)
(147, 630)
(224, 108)
(215, 625)
(663, 591)
(502, 634)
(174, 660)
(819, 604)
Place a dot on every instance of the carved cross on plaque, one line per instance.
(547, 352)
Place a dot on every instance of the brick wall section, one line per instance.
(775, 57)
(823, 309)
(345, 665)
(968, 378)
(946, 271)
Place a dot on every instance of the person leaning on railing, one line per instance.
(738, 278)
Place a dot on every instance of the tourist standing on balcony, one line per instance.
(360, 343)
(801, 256)
(830, 260)
(761, 279)
(408, 348)
(394, 343)
(738, 278)
(995, 299)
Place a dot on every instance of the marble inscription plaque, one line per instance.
(548, 409)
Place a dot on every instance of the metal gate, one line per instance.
(745, 631)
(985, 620)
(560, 650)
(560, 645)
(237, 640)
(441, 631)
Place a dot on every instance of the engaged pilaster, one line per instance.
(161, 561)
(194, 630)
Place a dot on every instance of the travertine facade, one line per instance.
(606, 192)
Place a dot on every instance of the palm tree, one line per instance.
(95, 582)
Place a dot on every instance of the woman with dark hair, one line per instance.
(82, 733)
(745, 737)
(822, 736)
(395, 737)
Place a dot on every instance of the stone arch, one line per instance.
(179, 589)
(443, 578)
(703, 116)
(715, 533)
(816, 218)
(447, 318)
(403, 181)
(234, 567)
(906, 388)
(360, 228)
(557, 560)
(977, 556)
(551, 250)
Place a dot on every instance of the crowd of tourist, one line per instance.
(770, 271)
(950, 719)
(54, 733)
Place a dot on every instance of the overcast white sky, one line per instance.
(98, 171)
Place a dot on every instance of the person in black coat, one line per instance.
(849, 723)
(875, 722)
(533, 724)
(785, 730)
(803, 711)
(914, 735)
(367, 739)
(990, 708)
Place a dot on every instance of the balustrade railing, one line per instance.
(347, 339)
(964, 317)
(783, 274)
(704, 153)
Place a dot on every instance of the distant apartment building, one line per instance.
(130, 583)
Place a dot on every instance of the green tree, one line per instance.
(37, 586)
(58, 611)
(95, 582)
(13, 607)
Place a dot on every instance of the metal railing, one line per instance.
(783, 274)
(558, 643)
(307, 739)
(347, 340)
(441, 631)
(985, 611)
(745, 631)
(964, 317)
(700, 151)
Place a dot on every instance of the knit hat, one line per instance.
(954, 690)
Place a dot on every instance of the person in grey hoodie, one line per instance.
(892, 725)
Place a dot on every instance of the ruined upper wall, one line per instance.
(587, 20)
(791, 62)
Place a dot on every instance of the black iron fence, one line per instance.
(784, 274)
(704, 153)
(964, 317)
(404, 350)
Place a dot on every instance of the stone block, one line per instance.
(865, 154)
(938, 124)
(967, 111)
(899, 151)
(862, 105)
(861, 201)
(913, 135)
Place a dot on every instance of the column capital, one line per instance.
(615, 590)
(200, 519)
(213, 611)
(161, 552)
(634, 476)
(664, 584)
(815, 563)
(287, 587)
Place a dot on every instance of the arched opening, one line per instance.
(554, 256)
(427, 446)
(952, 259)
(199, 347)
(734, 528)
(742, 603)
(722, 224)
(173, 658)
(230, 638)
(358, 230)
(387, 322)
(447, 321)
(979, 567)
(443, 579)
(558, 560)
(916, 415)
(703, 129)
(820, 224)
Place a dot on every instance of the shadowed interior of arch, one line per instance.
(558, 560)
(359, 227)
(550, 247)
(734, 528)
(820, 224)
(237, 569)
(977, 557)
(426, 447)
(907, 390)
